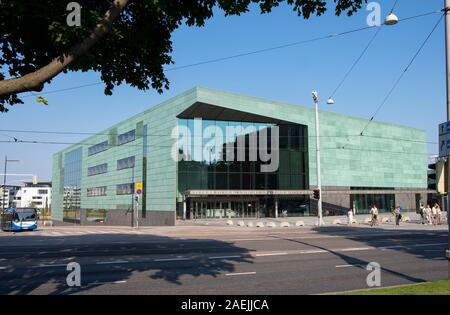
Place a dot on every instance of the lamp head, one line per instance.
(391, 19)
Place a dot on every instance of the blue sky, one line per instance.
(287, 75)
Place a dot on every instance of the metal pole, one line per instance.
(132, 197)
(137, 212)
(319, 180)
(4, 185)
(184, 208)
(276, 208)
(447, 52)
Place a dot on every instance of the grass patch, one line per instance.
(429, 288)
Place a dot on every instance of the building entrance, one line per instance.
(207, 208)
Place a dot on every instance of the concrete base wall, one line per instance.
(118, 217)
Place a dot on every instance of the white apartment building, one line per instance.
(38, 195)
(7, 195)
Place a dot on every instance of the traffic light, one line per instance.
(317, 194)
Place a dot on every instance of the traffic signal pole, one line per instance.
(319, 180)
(447, 52)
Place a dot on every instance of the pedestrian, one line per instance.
(438, 214)
(374, 213)
(398, 215)
(434, 214)
(422, 213)
(350, 216)
(428, 219)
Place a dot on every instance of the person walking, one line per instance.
(422, 213)
(374, 213)
(438, 214)
(434, 214)
(398, 215)
(428, 219)
(350, 216)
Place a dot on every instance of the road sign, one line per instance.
(444, 139)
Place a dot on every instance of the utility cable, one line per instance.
(397, 82)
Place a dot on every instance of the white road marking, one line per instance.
(171, 259)
(111, 262)
(277, 237)
(352, 249)
(431, 244)
(50, 266)
(2, 268)
(313, 251)
(114, 282)
(240, 273)
(413, 245)
(271, 254)
(347, 266)
(224, 257)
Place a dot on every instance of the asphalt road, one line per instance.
(212, 260)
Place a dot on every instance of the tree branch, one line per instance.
(35, 81)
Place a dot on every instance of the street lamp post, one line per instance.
(319, 180)
(447, 52)
(4, 180)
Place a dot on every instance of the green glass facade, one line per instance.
(86, 176)
(214, 172)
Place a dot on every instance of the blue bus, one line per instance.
(19, 219)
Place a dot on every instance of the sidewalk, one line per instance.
(385, 220)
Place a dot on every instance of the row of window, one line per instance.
(122, 164)
(122, 189)
(121, 139)
(125, 163)
(98, 148)
(126, 137)
(98, 169)
(96, 191)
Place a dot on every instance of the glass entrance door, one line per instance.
(220, 208)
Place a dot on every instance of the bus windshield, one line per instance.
(24, 214)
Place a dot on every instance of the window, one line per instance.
(96, 191)
(126, 137)
(42, 191)
(98, 148)
(98, 169)
(37, 197)
(125, 189)
(125, 163)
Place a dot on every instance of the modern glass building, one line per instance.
(211, 154)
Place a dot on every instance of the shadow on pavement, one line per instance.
(27, 269)
(387, 239)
